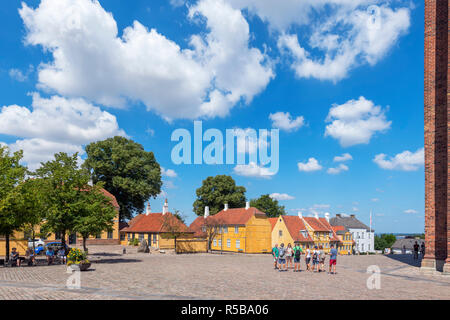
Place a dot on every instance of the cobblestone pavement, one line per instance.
(215, 276)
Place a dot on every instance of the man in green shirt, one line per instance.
(275, 255)
(297, 253)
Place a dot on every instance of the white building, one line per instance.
(363, 236)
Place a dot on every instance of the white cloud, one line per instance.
(281, 196)
(374, 199)
(18, 75)
(350, 34)
(355, 122)
(338, 169)
(283, 121)
(321, 206)
(311, 165)
(253, 170)
(405, 161)
(55, 125)
(177, 3)
(217, 71)
(355, 209)
(343, 158)
(410, 211)
(168, 173)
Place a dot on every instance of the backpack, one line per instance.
(297, 253)
(282, 252)
(315, 255)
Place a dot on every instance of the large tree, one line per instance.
(95, 213)
(215, 192)
(64, 186)
(12, 173)
(129, 172)
(268, 205)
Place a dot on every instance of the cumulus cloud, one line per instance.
(283, 121)
(89, 60)
(355, 122)
(338, 169)
(55, 124)
(281, 196)
(405, 161)
(410, 211)
(311, 165)
(253, 170)
(168, 173)
(351, 34)
(343, 158)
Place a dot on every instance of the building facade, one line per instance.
(363, 236)
(437, 135)
(290, 229)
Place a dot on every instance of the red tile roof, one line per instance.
(237, 216)
(155, 223)
(330, 228)
(273, 222)
(112, 197)
(316, 224)
(196, 226)
(295, 225)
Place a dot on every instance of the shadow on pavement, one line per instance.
(406, 258)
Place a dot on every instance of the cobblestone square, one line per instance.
(114, 275)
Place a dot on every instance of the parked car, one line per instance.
(37, 243)
(54, 245)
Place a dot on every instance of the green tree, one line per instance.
(64, 186)
(31, 204)
(384, 241)
(215, 191)
(12, 173)
(95, 213)
(129, 172)
(268, 205)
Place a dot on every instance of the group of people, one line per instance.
(284, 257)
(30, 256)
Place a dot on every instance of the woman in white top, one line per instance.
(289, 255)
(308, 258)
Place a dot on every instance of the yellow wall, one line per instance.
(20, 245)
(347, 243)
(192, 245)
(254, 237)
(285, 235)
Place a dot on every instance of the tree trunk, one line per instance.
(7, 248)
(84, 243)
(63, 238)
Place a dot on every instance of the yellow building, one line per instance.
(246, 230)
(290, 229)
(346, 241)
(158, 229)
(321, 232)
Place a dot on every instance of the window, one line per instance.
(362, 235)
(220, 243)
(215, 243)
(122, 237)
(228, 243)
(98, 236)
(133, 235)
(128, 236)
(225, 229)
(110, 235)
(154, 238)
(236, 229)
(238, 243)
(280, 233)
(141, 237)
(362, 247)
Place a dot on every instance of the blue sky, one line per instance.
(335, 77)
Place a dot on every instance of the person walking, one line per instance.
(333, 258)
(282, 258)
(275, 253)
(297, 254)
(315, 259)
(289, 256)
(416, 251)
(308, 258)
(321, 259)
(422, 249)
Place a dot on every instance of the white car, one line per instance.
(37, 243)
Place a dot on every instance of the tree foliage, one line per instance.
(215, 191)
(268, 205)
(384, 241)
(129, 172)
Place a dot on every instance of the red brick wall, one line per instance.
(436, 129)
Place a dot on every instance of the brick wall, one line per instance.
(436, 101)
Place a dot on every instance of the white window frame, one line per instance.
(238, 244)
(225, 229)
(236, 229)
(215, 242)
(228, 243)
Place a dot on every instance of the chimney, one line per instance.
(90, 182)
(165, 207)
(316, 215)
(352, 215)
(149, 210)
(300, 215)
(225, 207)
(327, 216)
(206, 212)
(338, 215)
(247, 205)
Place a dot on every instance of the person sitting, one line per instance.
(15, 259)
(29, 255)
(62, 255)
(50, 255)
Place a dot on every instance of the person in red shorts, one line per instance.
(333, 256)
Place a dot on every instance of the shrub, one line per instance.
(134, 242)
(76, 256)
